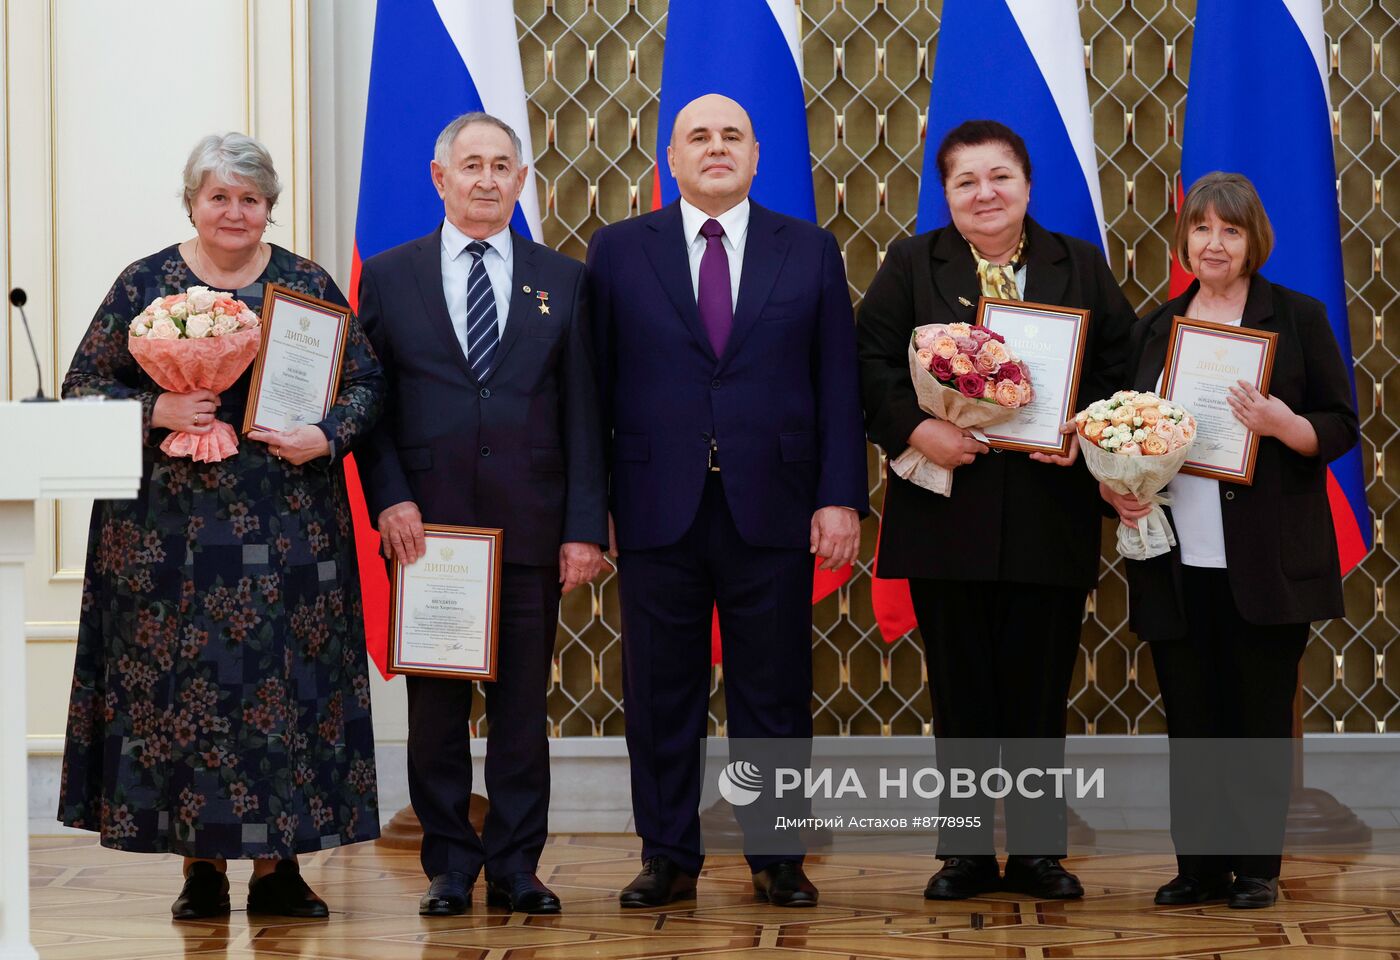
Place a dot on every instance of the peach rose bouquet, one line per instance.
(201, 339)
(967, 376)
(1135, 443)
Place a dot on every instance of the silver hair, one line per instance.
(442, 150)
(231, 157)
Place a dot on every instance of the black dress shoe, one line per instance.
(1184, 889)
(448, 895)
(205, 894)
(660, 882)
(963, 877)
(1252, 893)
(1042, 878)
(521, 893)
(784, 884)
(284, 893)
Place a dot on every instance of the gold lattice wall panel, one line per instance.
(593, 71)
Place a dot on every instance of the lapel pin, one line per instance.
(543, 297)
(525, 289)
(964, 301)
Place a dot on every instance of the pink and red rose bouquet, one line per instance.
(967, 376)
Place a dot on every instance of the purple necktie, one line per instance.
(715, 299)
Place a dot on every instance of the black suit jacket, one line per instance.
(1009, 518)
(1280, 546)
(521, 449)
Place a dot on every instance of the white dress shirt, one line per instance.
(1200, 529)
(457, 264)
(735, 222)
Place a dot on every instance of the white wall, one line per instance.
(100, 109)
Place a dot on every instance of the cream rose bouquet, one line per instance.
(201, 339)
(1135, 443)
(967, 376)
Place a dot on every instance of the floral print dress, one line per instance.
(220, 704)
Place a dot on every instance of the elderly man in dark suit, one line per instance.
(727, 357)
(491, 419)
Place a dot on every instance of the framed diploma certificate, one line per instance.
(1050, 342)
(1204, 360)
(444, 608)
(297, 372)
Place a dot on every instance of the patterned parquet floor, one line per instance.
(94, 904)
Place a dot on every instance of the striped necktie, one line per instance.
(482, 334)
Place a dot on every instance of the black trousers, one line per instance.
(764, 598)
(517, 742)
(1229, 678)
(1000, 660)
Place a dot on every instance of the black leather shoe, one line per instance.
(963, 877)
(1042, 878)
(1252, 893)
(205, 894)
(449, 894)
(521, 893)
(1184, 889)
(660, 882)
(784, 884)
(284, 893)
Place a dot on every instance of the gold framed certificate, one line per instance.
(297, 372)
(1049, 340)
(444, 609)
(1204, 360)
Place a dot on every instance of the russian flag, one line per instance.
(747, 50)
(1257, 104)
(432, 60)
(1020, 62)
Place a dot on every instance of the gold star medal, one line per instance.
(543, 297)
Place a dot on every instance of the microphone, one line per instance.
(18, 298)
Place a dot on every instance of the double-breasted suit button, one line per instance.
(485, 392)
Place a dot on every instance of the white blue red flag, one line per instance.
(1257, 104)
(1020, 62)
(432, 60)
(747, 50)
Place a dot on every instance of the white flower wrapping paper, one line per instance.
(1144, 478)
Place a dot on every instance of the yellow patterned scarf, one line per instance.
(999, 279)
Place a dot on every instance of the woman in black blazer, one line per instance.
(1227, 611)
(998, 571)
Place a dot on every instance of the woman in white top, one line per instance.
(1227, 612)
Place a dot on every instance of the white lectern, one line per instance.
(48, 451)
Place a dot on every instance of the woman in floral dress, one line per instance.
(220, 704)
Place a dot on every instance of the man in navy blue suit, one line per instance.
(728, 368)
(491, 419)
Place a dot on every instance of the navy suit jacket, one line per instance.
(782, 402)
(521, 449)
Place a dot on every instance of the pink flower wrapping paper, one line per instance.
(209, 363)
